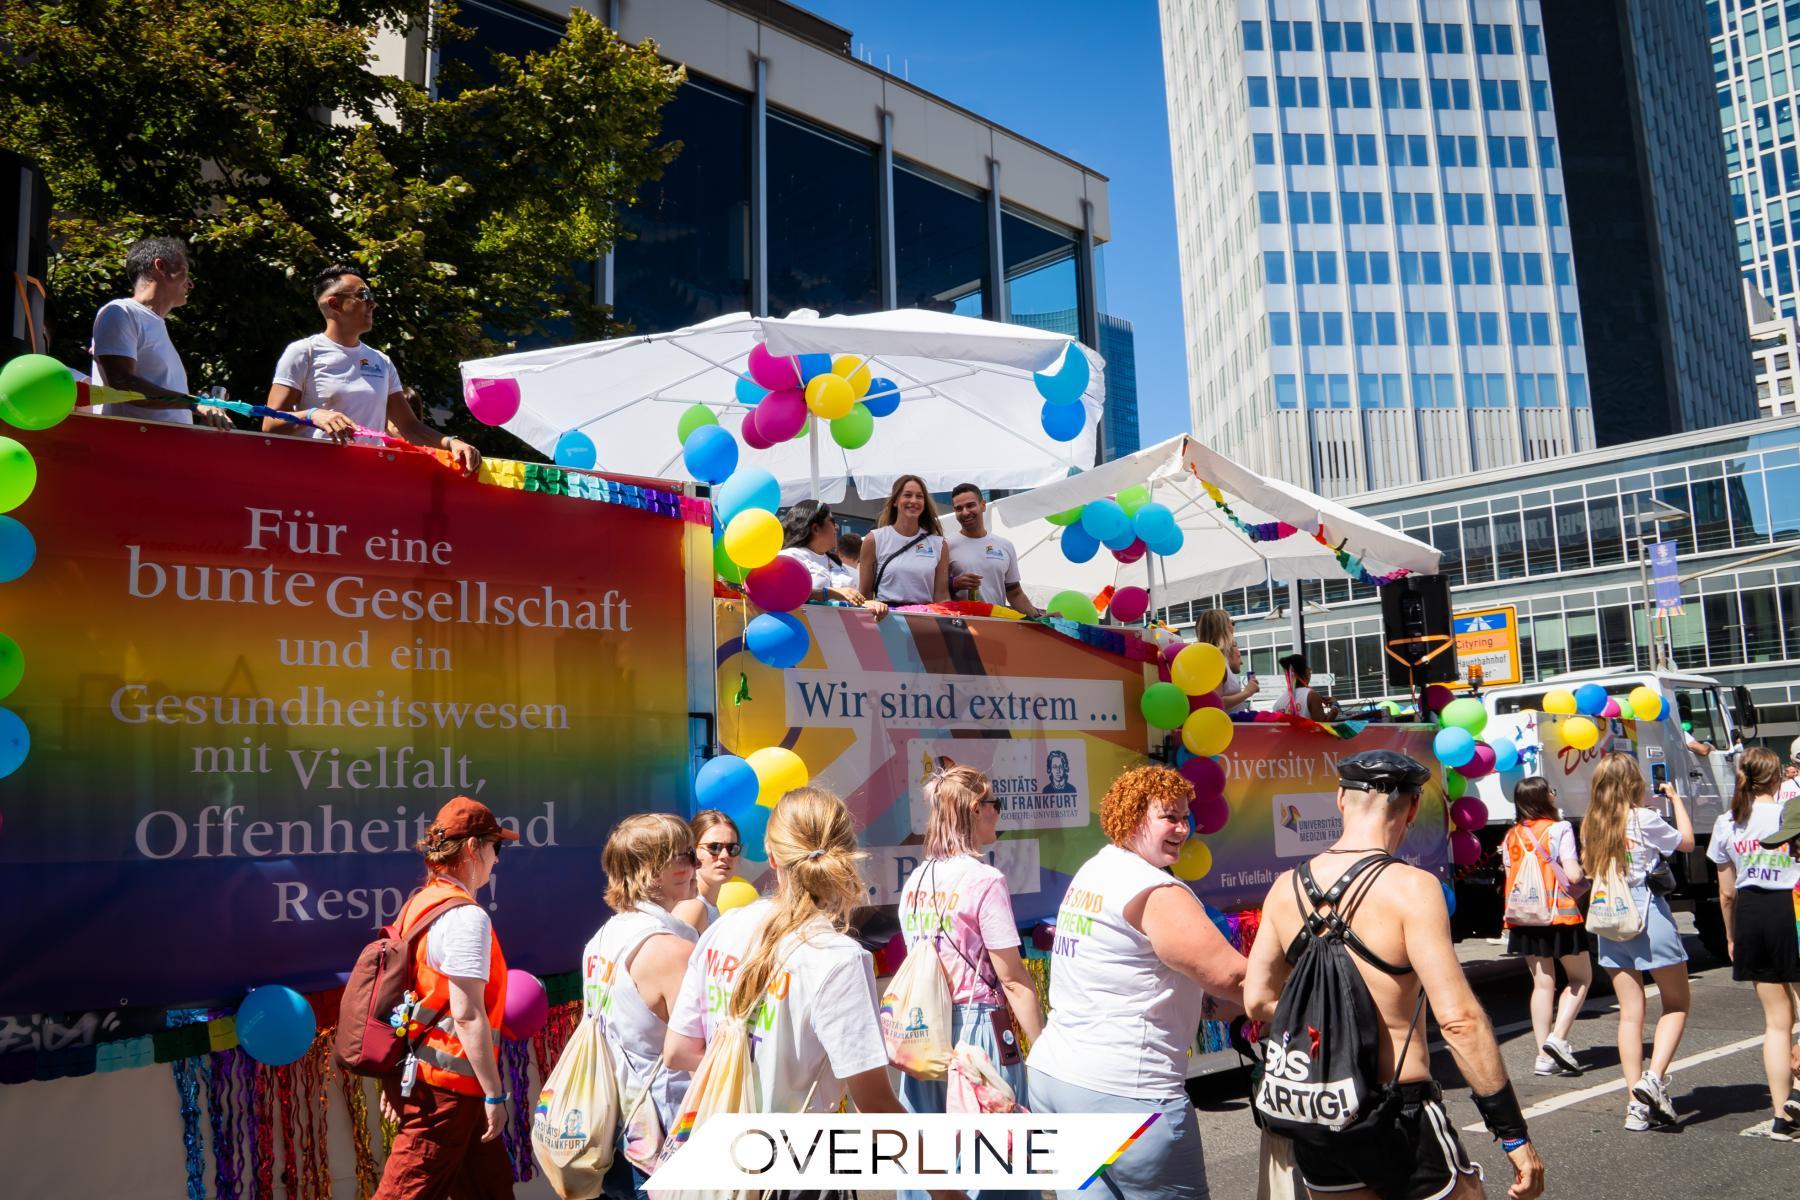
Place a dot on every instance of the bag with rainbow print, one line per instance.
(577, 1116)
(915, 1014)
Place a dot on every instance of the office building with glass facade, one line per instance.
(1756, 73)
(1559, 545)
(810, 179)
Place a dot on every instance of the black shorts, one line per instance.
(1765, 944)
(1547, 941)
(1430, 1171)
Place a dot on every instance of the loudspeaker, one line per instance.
(1416, 631)
(24, 255)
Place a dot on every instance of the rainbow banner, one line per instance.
(876, 705)
(255, 667)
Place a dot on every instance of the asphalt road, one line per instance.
(1578, 1123)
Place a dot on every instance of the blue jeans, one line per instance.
(1166, 1163)
(969, 1023)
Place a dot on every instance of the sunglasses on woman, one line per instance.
(723, 849)
(685, 856)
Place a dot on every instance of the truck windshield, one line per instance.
(1698, 709)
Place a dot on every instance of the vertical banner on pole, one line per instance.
(1667, 581)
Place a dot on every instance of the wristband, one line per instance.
(502, 1098)
(1501, 1114)
(1511, 1144)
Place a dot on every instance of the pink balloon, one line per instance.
(1612, 707)
(492, 401)
(1469, 813)
(780, 415)
(775, 374)
(1465, 848)
(1205, 700)
(527, 1007)
(1209, 812)
(1133, 552)
(1130, 603)
(1481, 764)
(782, 585)
(1173, 648)
(1207, 776)
(752, 436)
(1436, 696)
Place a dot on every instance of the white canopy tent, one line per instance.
(969, 409)
(1215, 556)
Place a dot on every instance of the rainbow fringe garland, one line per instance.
(1275, 531)
(579, 485)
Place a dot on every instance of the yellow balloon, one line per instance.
(778, 772)
(735, 894)
(753, 538)
(1580, 733)
(1198, 669)
(1559, 700)
(1206, 732)
(1195, 861)
(1647, 703)
(855, 371)
(830, 396)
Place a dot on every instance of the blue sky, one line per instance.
(1086, 81)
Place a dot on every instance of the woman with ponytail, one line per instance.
(1756, 889)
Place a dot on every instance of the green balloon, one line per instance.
(728, 570)
(1133, 498)
(1164, 705)
(853, 430)
(695, 416)
(805, 428)
(1626, 712)
(1074, 606)
(1066, 518)
(1455, 785)
(12, 665)
(36, 392)
(18, 474)
(1390, 707)
(1466, 713)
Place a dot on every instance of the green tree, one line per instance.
(263, 133)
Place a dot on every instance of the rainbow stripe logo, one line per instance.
(1114, 1156)
(684, 1126)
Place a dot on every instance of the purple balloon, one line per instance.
(1465, 848)
(1207, 776)
(773, 372)
(1173, 648)
(751, 434)
(1131, 553)
(1469, 813)
(1481, 764)
(780, 586)
(780, 416)
(1209, 812)
(1204, 700)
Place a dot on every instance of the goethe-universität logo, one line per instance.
(900, 1150)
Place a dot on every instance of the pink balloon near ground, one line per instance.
(1130, 603)
(1469, 813)
(1436, 696)
(527, 1006)
(1465, 848)
(1481, 764)
(780, 586)
(772, 372)
(492, 401)
(780, 416)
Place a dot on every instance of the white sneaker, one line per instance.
(1653, 1093)
(1543, 1066)
(1562, 1053)
(1637, 1117)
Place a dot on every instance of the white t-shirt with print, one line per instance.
(127, 329)
(990, 556)
(964, 903)
(459, 942)
(1741, 847)
(1651, 839)
(820, 1019)
(826, 572)
(353, 380)
(911, 578)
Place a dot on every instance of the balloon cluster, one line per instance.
(1063, 416)
(781, 391)
(1466, 755)
(1130, 525)
(745, 789)
(1584, 708)
(1187, 699)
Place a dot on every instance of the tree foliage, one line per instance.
(264, 133)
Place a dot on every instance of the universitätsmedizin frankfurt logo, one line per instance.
(1033, 1151)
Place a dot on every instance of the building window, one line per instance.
(1450, 94)
(1253, 35)
(1274, 261)
(1284, 392)
(940, 244)
(822, 241)
(1281, 329)
(1040, 268)
(1394, 37)
(1268, 205)
(1257, 88)
(1262, 149)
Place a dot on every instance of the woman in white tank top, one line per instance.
(1297, 697)
(905, 559)
(718, 845)
(631, 972)
(1134, 968)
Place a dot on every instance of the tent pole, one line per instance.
(812, 444)
(1299, 617)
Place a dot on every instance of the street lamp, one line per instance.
(1646, 510)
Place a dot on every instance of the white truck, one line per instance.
(1695, 746)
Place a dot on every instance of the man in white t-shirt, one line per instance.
(339, 384)
(983, 566)
(132, 350)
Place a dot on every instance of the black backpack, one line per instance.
(1319, 1078)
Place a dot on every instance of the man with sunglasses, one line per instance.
(338, 384)
(131, 346)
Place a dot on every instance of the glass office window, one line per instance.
(1616, 643)
(1447, 537)
(1370, 667)
(1788, 599)
(495, 27)
(1686, 631)
(1749, 503)
(1724, 641)
(1762, 625)
(1783, 485)
(1571, 535)
(940, 244)
(1583, 632)
(1712, 525)
(1040, 266)
(689, 260)
(822, 240)
(1551, 646)
(1540, 541)
(1606, 529)
(1509, 546)
(1671, 490)
(1478, 550)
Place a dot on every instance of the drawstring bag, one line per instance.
(915, 1014)
(1527, 890)
(577, 1116)
(724, 1082)
(1612, 911)
(975, 1087)
(641, 1125)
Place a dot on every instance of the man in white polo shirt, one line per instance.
(983, 566)
(132, 350)
(338, 383)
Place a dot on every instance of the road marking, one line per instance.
(1618, 1085)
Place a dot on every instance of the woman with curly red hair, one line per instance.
(1134, 967)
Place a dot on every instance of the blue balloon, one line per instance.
(1154, 522)
(1449, 896)
(576, 449)
(1590, 699)
(883, 397)
(748, 487)
(18, 549)
(749, 392)
(1078, 545)
(752, 821)
(726, 783)
(275, 1025)
(1067, 383)
(1104, 519)
(1121, 540)
(1453, 746)
(777, 639)
(15, 742)
(1506, 753)
(1169, 546)
(711, 454)
(1064, 422)
(812, 366)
